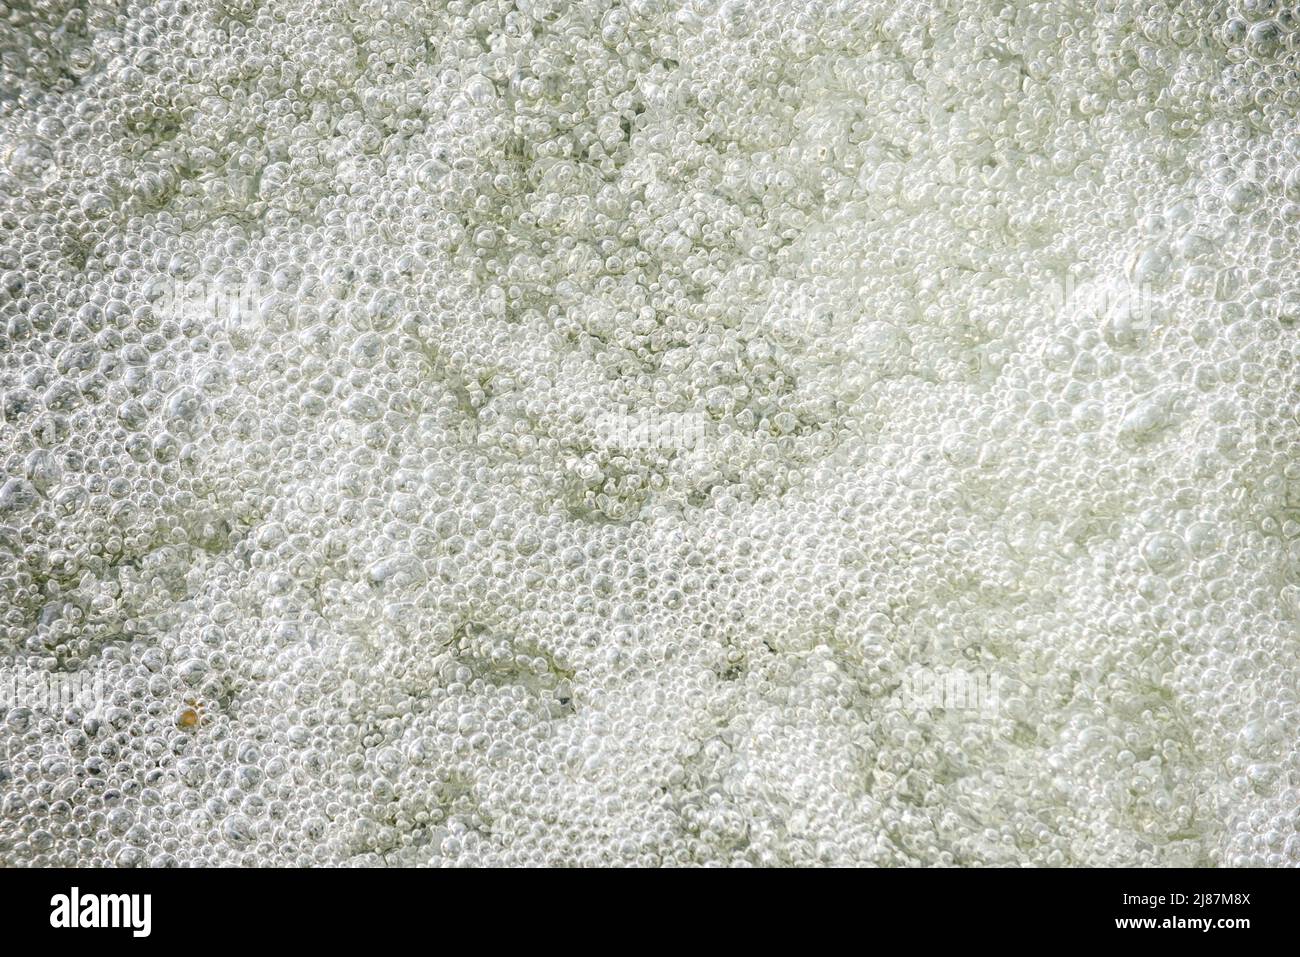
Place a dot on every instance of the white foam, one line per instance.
(650, 433)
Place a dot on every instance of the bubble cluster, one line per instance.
(524, 432)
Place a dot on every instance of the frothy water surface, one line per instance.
(649, 432)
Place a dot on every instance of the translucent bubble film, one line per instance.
(649, 432)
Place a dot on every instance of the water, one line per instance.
(649, 433)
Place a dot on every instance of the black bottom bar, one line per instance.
(929, 908)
